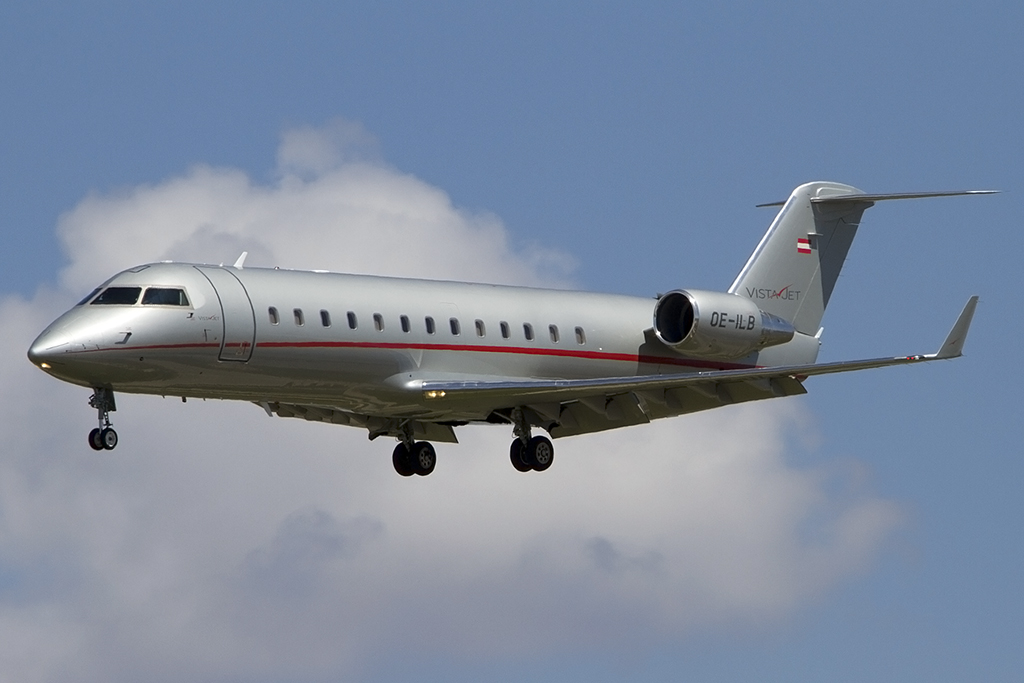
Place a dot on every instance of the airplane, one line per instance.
(414, 359)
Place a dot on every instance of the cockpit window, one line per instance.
(164, 296)
(91, 295)
(125, 296)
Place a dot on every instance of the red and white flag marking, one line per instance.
(803, 245)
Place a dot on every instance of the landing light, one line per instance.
(44, 366)
(434, 394)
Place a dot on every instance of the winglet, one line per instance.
(954, 344)
(241, 260)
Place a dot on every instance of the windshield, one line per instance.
(125, 296)
(164, 296)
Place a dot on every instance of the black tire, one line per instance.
(94, 440)
(515, 453)
(108, 438)
(401, 458)
(540, 453)
(424, 458)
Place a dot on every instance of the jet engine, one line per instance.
(716, 325)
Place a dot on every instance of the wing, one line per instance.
(576, 406)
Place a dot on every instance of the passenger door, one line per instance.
(237, 314)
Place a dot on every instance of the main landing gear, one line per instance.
(103, 437)
(536, 454)
(529, 452)
(414, 458)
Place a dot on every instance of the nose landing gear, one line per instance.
(103, 437)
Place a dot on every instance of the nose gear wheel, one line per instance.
(103, 437)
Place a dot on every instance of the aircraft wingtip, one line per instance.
(954, 344)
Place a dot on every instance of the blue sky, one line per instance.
(622, 149)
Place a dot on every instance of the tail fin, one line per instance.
(792, 272)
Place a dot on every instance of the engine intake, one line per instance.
(716, 325)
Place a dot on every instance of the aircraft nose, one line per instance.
(46, 349)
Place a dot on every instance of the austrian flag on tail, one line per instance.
(803, 245)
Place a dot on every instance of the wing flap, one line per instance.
(584, 417)
(598, 413)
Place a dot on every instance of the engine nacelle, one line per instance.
(716, 325)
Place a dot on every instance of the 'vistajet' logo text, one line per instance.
(786, 294)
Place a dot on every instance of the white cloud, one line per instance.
(330, 209)
(218, 543)
(312, 151)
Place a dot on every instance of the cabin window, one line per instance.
(164, 296)
(480, 329)
(553, 331)
(404, 320)
(454, 324)
(430, 325)
(300, 319)
(505, 331)
(123, 296)
(325, 318)
(528, 331)
(378, 322)
(352, 322)
(581, 336)
(274, 317)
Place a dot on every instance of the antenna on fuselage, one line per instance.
(241, 260)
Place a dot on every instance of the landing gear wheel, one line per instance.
(515, 452)
(103, 437)
(423, 458)
(401, 458)
(540, 453)
(108, 437)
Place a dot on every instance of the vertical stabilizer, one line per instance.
(793, 270)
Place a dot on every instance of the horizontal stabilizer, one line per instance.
(954, 344)
(864, 197)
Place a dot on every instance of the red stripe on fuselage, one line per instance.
(476, 348)
(519, 350)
